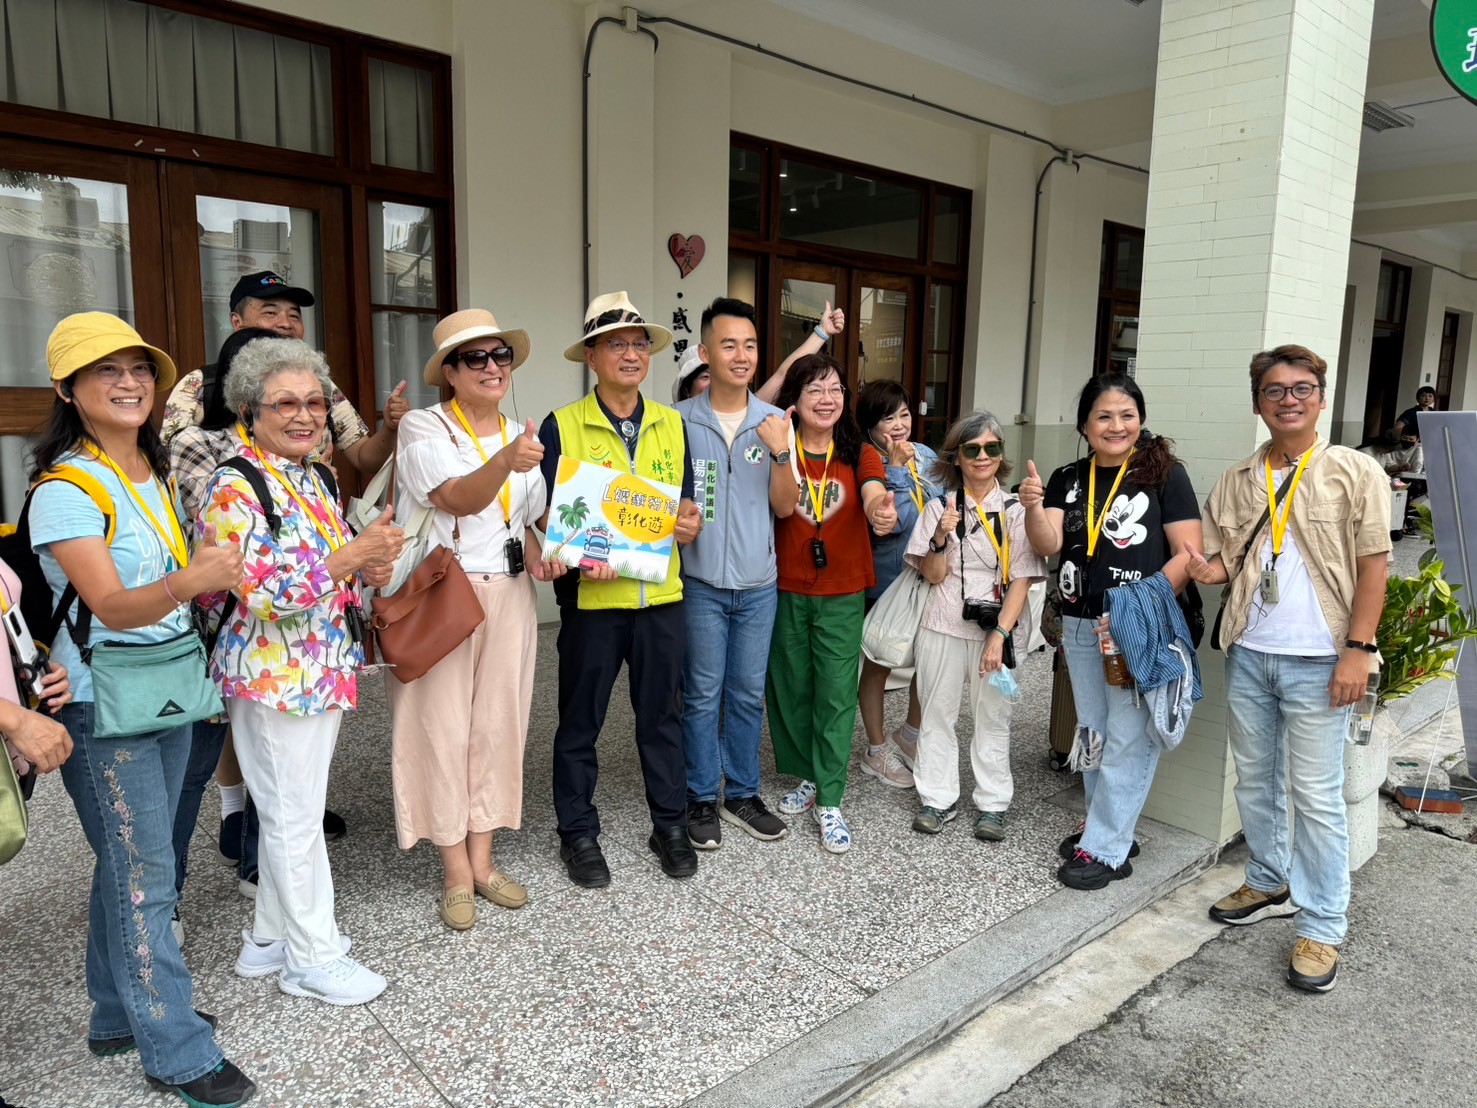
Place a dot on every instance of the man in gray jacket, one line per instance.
(741, 476)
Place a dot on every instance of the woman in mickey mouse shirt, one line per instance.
(1122, 514)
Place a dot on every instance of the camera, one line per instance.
(513, 552)
(983, 613)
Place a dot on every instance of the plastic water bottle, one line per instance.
(1115, 665)
(1361, 713)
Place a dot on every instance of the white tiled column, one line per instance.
(1251, 191)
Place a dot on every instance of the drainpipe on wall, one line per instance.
(1068, 157)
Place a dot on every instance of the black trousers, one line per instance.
(592, 646)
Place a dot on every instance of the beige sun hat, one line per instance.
(464, 326)
(610, 311)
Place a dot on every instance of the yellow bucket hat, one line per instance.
(81, 339)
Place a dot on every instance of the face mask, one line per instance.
(1004, 680)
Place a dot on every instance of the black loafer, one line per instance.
(675, 851)
(106, 1048)
(334, 827)
(585, 862)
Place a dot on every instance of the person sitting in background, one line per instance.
(1408, 422)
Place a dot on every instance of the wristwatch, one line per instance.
(1367, 647)
(779, 457)
(939, 549)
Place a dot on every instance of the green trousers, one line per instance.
(811, 688)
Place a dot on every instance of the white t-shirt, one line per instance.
(731, 422)
(1295, 624)
(427, 459)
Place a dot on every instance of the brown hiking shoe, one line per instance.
(1314, 966)
(1248, 905)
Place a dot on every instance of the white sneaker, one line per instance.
(342, 981)
(178, 928)
(259, 959)
(798, 800)
(835, 835)
(247, 887)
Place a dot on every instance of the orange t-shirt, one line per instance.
(844, 529)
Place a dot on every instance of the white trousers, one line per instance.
(946, 663)
(285, 760)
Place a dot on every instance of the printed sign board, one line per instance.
(1454, 43)
(599, 515)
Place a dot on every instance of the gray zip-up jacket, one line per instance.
(731, 486)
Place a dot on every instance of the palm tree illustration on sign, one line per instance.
(572, 516)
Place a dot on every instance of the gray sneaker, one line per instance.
(931, 821)
(750, 814)
(990, 827)
(886, 764)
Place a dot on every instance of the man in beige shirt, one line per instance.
(1300, 530)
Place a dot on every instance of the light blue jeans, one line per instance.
(1288, 744)
(125, 792)
(1116, 790)
(728, 633)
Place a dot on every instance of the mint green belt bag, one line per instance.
(138, 687)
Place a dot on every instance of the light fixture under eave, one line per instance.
(1381, 117)
(1136, 3)
(784, 169)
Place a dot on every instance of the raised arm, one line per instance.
(833, 322)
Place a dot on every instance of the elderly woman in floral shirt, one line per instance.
(287, 656)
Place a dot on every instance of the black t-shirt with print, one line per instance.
(1132, 545)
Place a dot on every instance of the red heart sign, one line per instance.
(687, 251)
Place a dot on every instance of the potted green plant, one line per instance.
(1421, 629)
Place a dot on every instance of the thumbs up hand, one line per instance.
(396, 407)
(525, 451)
(774, 431)
(883, 516)
(215, 567)
(1204, 572)
(833, 320)
(689, 522)
(1032, 491)
(380, 543)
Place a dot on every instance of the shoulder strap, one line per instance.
(258, 482)
(81, 630)
(94, 488)
(325, 474)
(1260, 523)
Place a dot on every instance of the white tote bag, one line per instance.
(892, 624)
(364, 510)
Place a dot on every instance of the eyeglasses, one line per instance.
(111, 374)
(815, 392)
(477, 360)
(291, 408)
(1301, 391)
(972, 450)
(620, 346)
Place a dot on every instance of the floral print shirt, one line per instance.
(287, 642)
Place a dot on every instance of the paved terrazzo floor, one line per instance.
(648, 992)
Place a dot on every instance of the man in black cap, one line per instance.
(268, 301)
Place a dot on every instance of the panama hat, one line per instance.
(464, 326)
(611, 311)
(691, 364)
(81, 339)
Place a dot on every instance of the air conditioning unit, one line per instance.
(64, 211)
(259, 236)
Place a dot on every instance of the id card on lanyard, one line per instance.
(1269, 588)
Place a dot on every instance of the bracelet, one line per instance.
(1367, 647)
(170, 592)
(820, 333)
(1004, 634)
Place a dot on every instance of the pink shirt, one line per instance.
(12, 588)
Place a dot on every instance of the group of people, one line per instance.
(809, 508)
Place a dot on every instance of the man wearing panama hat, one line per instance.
(605, 620)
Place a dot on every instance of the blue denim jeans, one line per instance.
(1289, 744)
(206, 740)
(1117, 789)
(728, 632)
(125, 792)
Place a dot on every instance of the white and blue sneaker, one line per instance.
(342, 982)
(835, 835)
(798, 800)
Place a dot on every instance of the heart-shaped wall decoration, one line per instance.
(687, 251)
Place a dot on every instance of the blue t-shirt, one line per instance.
(61, 511)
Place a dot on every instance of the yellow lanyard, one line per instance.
(324, 503)
(504, 494)
(173, 537)
(1279, 526)
(1095, 525)
(1002, 548)
(917, 484)
(817, 492)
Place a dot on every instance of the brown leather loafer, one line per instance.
(502, 890)
(458, 908)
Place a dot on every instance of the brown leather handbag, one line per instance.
(429, 616)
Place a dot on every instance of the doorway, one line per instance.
(1386, 350)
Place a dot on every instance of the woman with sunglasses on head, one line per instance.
(825, 568)
(970, 543)
(1122, 514)
(885, 412)
(133, 578)
(288, 655)
(459, 729)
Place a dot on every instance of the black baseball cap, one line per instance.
(267, 285)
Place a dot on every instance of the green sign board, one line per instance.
(1454, 42)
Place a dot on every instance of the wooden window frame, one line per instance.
(1113, 299)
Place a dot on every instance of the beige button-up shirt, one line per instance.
(1340, 513)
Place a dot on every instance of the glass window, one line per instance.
(138, 63)
(831, 207)
(802, 303)
(15, 464)
(406, 298)
(883, 334)
(1128, 269)
(948, 226)
(744, 189)
(402, 133)
(238, 237)
(64, 246)
(743, 278)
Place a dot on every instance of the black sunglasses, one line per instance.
(972, 450)
(476, 360)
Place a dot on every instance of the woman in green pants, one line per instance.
(825, 568)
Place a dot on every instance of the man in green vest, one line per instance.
(606, 620)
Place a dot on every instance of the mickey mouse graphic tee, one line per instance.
(1132, 545)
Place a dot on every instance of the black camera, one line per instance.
(983, 613)
(818, 553)
(513, 552)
